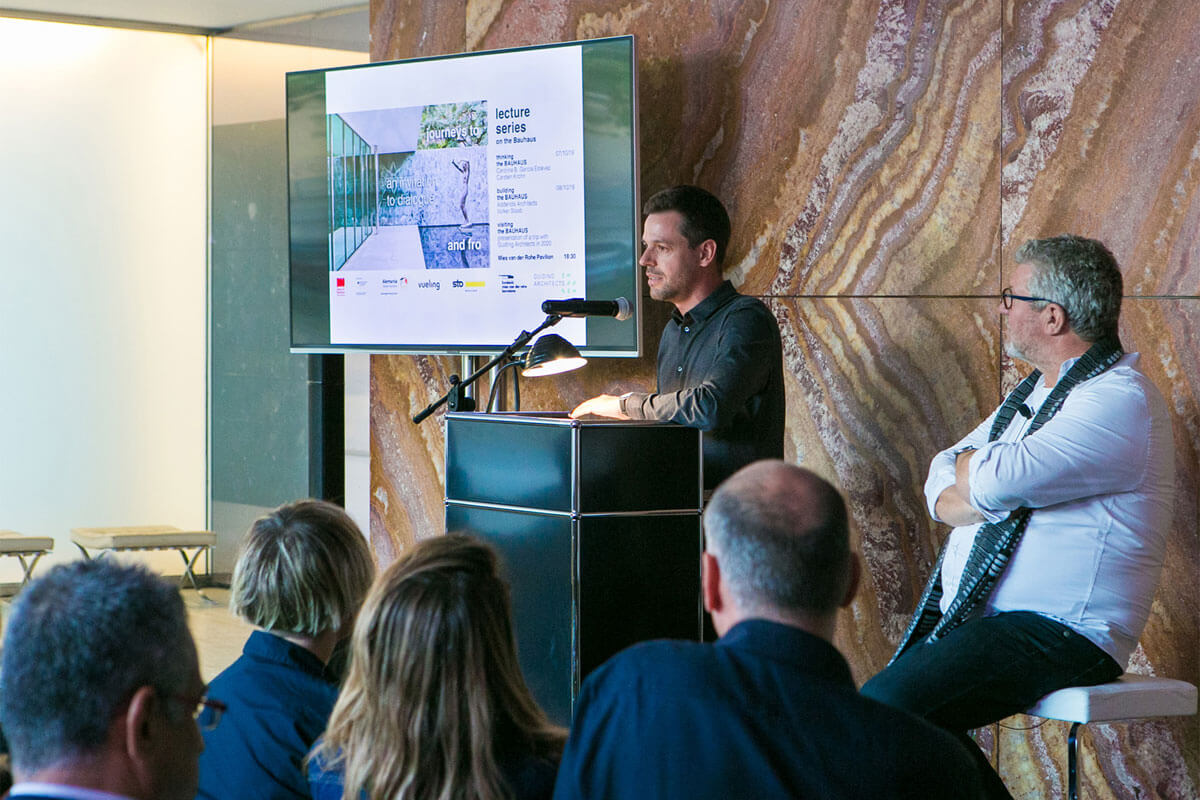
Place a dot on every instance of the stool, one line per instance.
(23, 547)
(148, 537)
(1128, 697)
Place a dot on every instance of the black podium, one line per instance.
(598, 526)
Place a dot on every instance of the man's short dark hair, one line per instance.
(1082, 276)
(704, 216)
(781, 537)
(80, 642)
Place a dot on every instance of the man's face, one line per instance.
(673, 267)
(1023, 332)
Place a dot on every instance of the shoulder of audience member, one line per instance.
(646, 660)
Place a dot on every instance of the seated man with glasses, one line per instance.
(1061, 501)
(100, 685)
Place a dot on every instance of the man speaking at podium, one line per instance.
(720, 359)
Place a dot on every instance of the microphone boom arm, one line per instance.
(522, 339)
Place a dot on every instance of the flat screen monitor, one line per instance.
(435, 203)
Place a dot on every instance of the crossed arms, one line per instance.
(1098, 443)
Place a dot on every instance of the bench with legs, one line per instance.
(27, 549)
(1127, 698)
(148, 537)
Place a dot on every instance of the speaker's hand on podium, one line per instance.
(605, 405)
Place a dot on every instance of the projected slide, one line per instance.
(461, 182)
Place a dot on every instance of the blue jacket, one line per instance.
(769, 711)
(279, 704)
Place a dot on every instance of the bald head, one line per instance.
(781, 537)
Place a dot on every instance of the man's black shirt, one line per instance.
(720, 369)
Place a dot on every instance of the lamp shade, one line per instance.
(551, 354)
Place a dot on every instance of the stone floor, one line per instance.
(219, 634)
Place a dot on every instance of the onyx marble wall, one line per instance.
(881, 160)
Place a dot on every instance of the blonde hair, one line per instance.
(304, 568)
(435, 693)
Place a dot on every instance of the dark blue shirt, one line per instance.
(720, 369)
(279, 704)
(769, 711)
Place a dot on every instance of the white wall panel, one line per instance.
(102, 250)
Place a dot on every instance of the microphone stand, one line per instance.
(456, 396)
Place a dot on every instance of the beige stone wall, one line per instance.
(882, 160)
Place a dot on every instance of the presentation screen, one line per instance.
(435, 203)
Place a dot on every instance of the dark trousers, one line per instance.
(988, 669)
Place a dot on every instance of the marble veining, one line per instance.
(1045, 102)
(882, 159)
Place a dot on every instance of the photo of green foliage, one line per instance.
(453, 125)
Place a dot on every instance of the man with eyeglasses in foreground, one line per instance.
(1060, 501)
(100, 687)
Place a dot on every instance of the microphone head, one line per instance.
(620, 308)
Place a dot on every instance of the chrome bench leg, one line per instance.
(27, 568)
(189, 570)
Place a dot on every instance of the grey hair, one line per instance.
(80, 642)
(304, 568)
(1082, 276)
(779, 548)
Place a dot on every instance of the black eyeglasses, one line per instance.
(1007, 298)
(206, 711)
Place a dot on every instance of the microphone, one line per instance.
(578, 307)
(1025, 411)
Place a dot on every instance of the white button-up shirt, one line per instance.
(1100, 476)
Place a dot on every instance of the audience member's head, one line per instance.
(304, 570)
(704, 215)
(99, 683)
(1079, 274)
(777, 547)
(435, 698)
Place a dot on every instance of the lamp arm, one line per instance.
(522, 339)
(515, 362)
